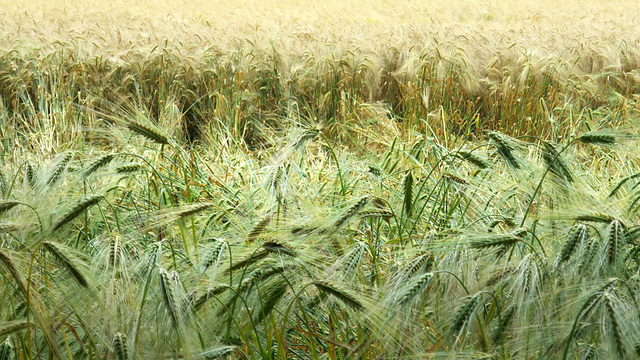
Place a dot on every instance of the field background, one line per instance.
(319, 180)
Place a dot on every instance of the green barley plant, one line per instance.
(297, 192)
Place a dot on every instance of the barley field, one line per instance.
(319, 180)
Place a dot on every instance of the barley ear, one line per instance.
(251, 259)
(352, 210)
(616, 330)
(274, 294)
(213, 254)
(29, 175)
(578, 234)
(148, 131)
(218, 353)
(58, 168)
(127, 168)
(556, 163)
(505, 149)
(407, 202)
(120, 346)
(79, 208)
(60, 252)
(259, 228)
(98, 163)
(342, 294)
(168, 296)
(622, 182)
(473, 159)
(7, 205)
(414, 288)
(464, 314)
(9, 327)
(595, 138)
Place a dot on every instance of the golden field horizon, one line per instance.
(481, 29)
